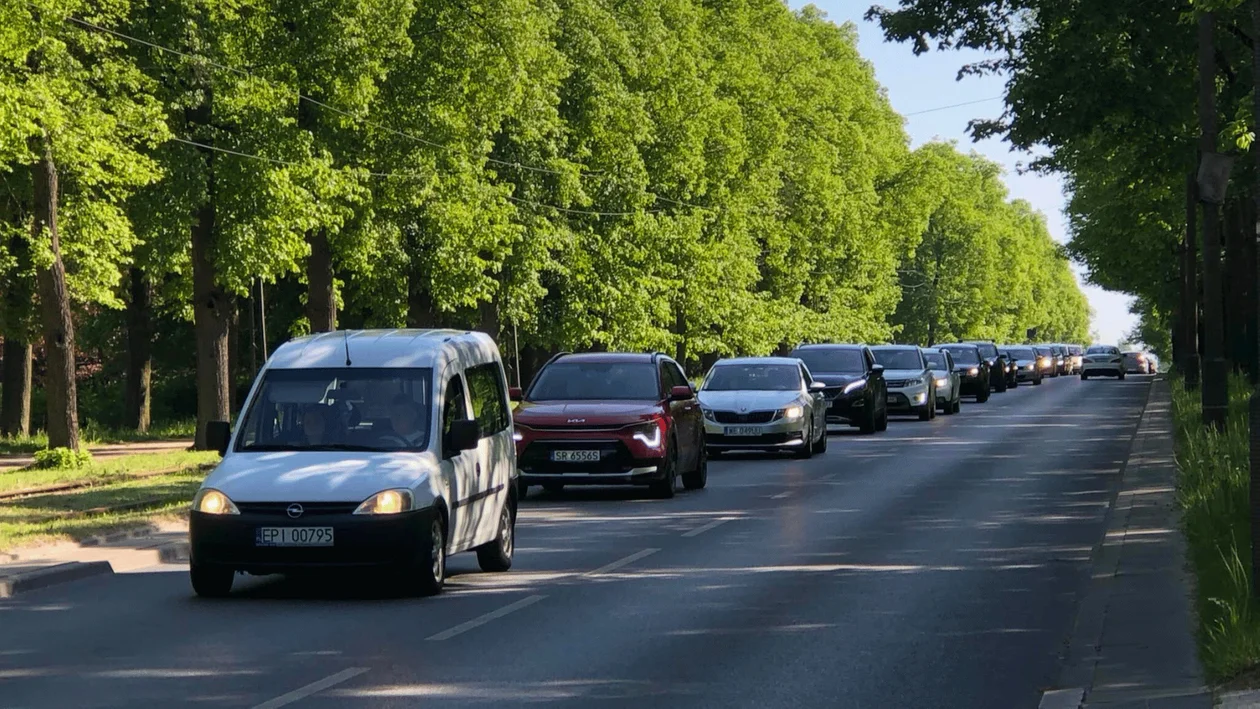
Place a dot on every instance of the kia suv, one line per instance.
(610, 419)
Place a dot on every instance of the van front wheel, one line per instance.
(427, 574)
(497, 555)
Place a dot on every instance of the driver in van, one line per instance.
(405, 421)
(315, 425)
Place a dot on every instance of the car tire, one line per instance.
(983, 396)
(822, 441)
(806, 451)
(883, 420)
(698, 478)
(928, 409)
(210, 581)
(665, 488)
(1037, 382)
(1122, 376)
(496, 556)
(958, 405)
(1084, 377)
(1000, 387)
(870, 422)
(427, 575)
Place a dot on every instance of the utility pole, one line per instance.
(1189, 321)
(1215, 390)
(1254, 410)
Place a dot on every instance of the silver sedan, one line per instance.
(763, 403)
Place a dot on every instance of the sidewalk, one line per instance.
(105, 451)
(1133, 643)
(23, 570)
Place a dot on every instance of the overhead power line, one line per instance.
(954, 105)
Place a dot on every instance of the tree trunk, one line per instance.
(234, 353)
(15, 409)
(139, 394)
(321, 294)
(211, 313)
(58, 325)
(1215, 388)
(1188, 317)
(420, 308)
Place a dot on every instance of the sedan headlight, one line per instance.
(974, 371)
(708, 414)
(854, 386)
(792, 413)
(212, 502)
(386, 502)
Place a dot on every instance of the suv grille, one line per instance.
(750, 417)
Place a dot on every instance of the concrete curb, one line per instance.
(1240, 700)
(11, 586)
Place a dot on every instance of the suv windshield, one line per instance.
(899, 359)
(963, 354)
(836, 361)
(754, 377)
(588, 381)
(1021, 353)
(935, 360)
(338, 409)
(1102, 349)
(987, 350)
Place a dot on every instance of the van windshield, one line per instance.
(339, 410)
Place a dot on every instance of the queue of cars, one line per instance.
(391, 450)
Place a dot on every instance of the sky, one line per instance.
(928, 82)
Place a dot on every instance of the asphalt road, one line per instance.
(936, 565)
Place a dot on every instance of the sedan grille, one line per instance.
(749, 417)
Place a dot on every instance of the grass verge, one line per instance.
(108, 470)
(1213, 486)
(76, 515)
(90, 435)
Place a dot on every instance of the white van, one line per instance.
(379, 449)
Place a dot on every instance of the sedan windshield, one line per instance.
(1102, 349)
(587, 381)
(1021, 353)
(964, 355)
(834, 361)
(936, 360)
(339, 409)
(754, 377)
(899, 359)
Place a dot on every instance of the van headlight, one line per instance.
(386, 502)
(212, 502)
(792, 413)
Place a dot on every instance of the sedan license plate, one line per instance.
(743, 431)
(293, 537)
(575, 456)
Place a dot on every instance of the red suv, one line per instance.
(610, 419)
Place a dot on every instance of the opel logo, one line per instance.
(294, 510)
(743, 409)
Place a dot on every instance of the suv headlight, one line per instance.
(708, 414)
(854, 386)
(792, 413)
(386, 502)
(649, 434)
(944, 382)
(212, 502)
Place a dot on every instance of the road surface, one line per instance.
(936, 565)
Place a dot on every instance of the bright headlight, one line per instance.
(973, 371)
(212, 502)
(942, 382)
(386, 502)
(792, 413)
(854, 386)
(649, 434)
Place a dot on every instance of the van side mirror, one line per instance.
(463, 436)
(680, 393)
(218, 434)
(515, 394)
(877, 370)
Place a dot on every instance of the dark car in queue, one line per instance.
(610, 419)
(856, 392)
(999, 374)
(1045, 360)
(1026, 362)
(972, 368)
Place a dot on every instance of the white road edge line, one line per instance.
(707, 526)
(1062, 699)
(483, 619)
(621, 562)
(312, 688)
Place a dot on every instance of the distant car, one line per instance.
(911, 386)
(1045, 361)
(999, 374)
(856, 392)
(610, 419)
(1103, 360)
(1056, 360)
(1135, 363)
(764, 403)
(1077, 353)
(1025, 360)
(972, 369)
(948, 380)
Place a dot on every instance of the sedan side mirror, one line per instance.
(218, 434)
(463, 436)
(515, 394)
(877, 370)
(680, 393)
(817, 386)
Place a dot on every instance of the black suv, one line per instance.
(856, 392)
(999, 368)
(973, 369)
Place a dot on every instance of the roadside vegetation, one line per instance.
(107, 470)
(1213, 489)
